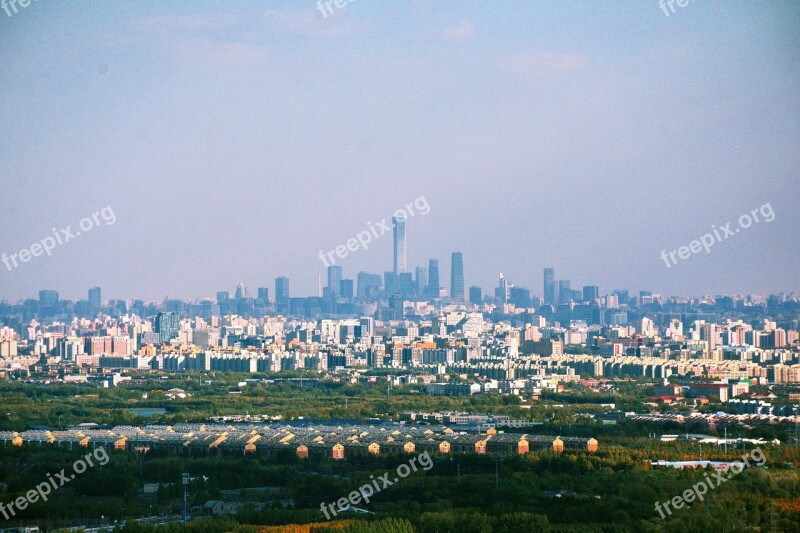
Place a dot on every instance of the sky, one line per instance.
(234, 141)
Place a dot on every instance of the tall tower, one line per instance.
(502, 290)
(564, 292)
(421, 280)
(241, 291)
(334, 281)
(95, 301)
(457, 277)
(399, 224)
(549, 286)
(166, 325)
(433, 278)
(282, 290)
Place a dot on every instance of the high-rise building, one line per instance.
(390, 282)
(367, 325)
(564, 292)
(520, 297)
(369, 285)
(433, 278)
(94, 298)
(549, 286)
(475, 295)
(166, 325)
(334, 288)
(421, 280)
(346, 288)
(399, 224)
(404, 284)
(47, 297)
(457, 277)
(501, 293)
(591, 293)
(282, 290)
(223, 297)
(263, 294)
(241, 291)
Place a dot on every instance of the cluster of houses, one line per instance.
(268, 440)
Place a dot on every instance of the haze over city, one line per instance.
(399, 266)
(235, 141)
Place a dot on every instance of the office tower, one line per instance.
(47, 297)
(241, 291)
(421, 280)
(282, 290)
(520, 297)
(648, 328)
(389, 282)
(399, 224)
(94, 298)
(433, 278)
(457, 277)
(263, 294)
(166, 325)
(346, 288)
(590, 293)
(501, 292)
(475, 295)
(223, 297)
(622, 296)
(549, 286)
(710, 333)
(369, 285)
(564, 292)
(367, 325)
(404, 284)
(334, 281)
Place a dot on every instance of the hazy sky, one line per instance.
(235, 140)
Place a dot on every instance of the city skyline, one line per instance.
(234, 143)
(553, 290)
(257, 252)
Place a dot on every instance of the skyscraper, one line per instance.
(166, 325)
(282, 290)
(94, 298)
(475, 295)
(549, 286)
(334, 281)
(263, 294)
(369, 285)
(501, 293)
(404, 284)
(421, 280)
(433, 278)
(399, 224)
(346, 288)
(590, 293)
(520, 297)
(564, 292)
(47, 297)
(457, 277)
(241, 291)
